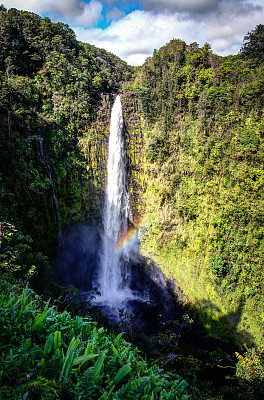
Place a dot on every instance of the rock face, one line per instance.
(94, 146)
(135, 152)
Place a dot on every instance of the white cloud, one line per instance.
(137, 34)
(115, 13)
(133, 37)
(71, 11)
(91, 14)
(227, 28)
(189, 6)
(199, 7)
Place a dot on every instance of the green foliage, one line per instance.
(253, 45)
(48, 353)
(17, 260)
(203, 128)
(250, 366)
(203, 173)
(250, 372)
(50, 87)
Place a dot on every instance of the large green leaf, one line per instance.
(39, 319)
(117, 355)
(48, 345)
(57, 340)
(68, 361)
(84, 358)
(121, 374)
(98, 366)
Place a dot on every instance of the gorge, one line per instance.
(193, 133)
(108, 258)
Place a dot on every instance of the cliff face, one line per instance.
(204, 173)
(94, 145)
(50, 86)
(134, 133)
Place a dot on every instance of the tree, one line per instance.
(253, 45)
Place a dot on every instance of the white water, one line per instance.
(113, 280)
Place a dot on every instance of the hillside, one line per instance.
(194, 130)
(51, 88)
(204, 163)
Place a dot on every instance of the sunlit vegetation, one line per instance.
(203, 208)
(204, 162)
(50, 89)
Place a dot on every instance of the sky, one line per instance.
(133, 29)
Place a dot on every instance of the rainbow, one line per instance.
(127, 240)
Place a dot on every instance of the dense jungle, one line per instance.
(194, 128)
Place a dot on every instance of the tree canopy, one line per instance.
(253, 45)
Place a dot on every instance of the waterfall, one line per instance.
(113, 280)
(50, 178)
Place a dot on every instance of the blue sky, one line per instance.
(133, 29)
(113, 10)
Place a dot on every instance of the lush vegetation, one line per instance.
(204, 162)
(203, 173)
(50, 89)
(46, 354)
(51, 86)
